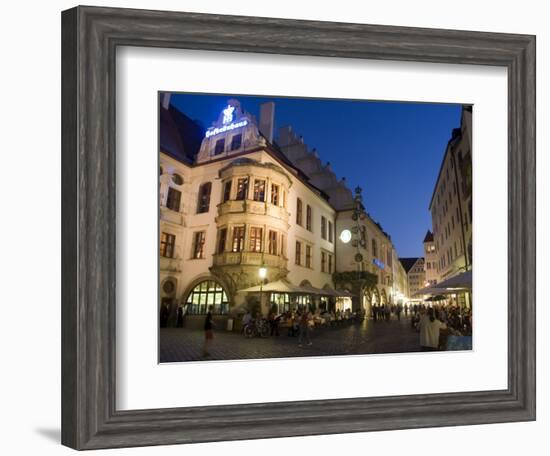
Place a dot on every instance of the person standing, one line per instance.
(208, 334)
(164, 312)
(429, 331)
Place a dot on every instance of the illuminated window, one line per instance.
(275, 194)
(167, 244)
(238, 239)
(198, 244)
(205, 294)
(259, 190)
(256, 239)
(242, 188)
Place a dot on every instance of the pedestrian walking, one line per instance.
(273, 323)
(304, 328)
(208, 333)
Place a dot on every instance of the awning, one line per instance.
(455, 284)
(283, 286)
(279, 286)
(462, 281)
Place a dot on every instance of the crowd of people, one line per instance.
(300, 321)
(434, 323)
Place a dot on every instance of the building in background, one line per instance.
(430, 260)
(416, 276)
(236, 205)
(451, 206)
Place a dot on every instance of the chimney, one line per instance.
(267, 118)
(166, 100)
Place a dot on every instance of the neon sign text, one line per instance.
(216, 131)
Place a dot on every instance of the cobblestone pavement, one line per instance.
(181, 344)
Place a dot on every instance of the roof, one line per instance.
(409, 262)
(429, 237)
(179, 135)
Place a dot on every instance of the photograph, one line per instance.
(309, 227)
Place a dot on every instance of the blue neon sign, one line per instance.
(216, 131)
(378, 263)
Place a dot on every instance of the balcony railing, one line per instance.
(253, 207)
(249, 259)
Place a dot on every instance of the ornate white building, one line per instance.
(244, 202)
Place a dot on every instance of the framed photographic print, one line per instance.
(270, 228)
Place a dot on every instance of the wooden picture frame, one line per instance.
(90, 37)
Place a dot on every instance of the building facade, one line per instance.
(451, 203)
(242, 202)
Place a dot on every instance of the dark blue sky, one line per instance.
(392, 150)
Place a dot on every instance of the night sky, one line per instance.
(392, 150)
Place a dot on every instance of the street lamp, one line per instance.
(345, 236)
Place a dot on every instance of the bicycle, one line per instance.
(258, 327)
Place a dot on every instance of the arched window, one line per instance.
(207, 293)
(203, 204)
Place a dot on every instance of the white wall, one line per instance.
(30, 252)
